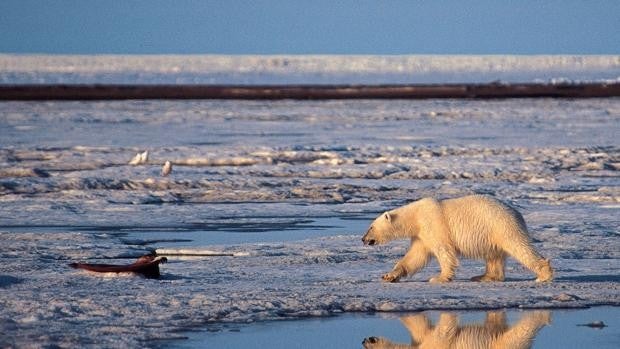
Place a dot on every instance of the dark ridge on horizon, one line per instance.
(33, 92)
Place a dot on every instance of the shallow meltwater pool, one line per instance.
(597, 327)
(258, 231)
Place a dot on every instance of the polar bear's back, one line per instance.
(480, 225)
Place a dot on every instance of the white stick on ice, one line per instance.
(196, 252)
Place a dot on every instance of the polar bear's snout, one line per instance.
(368, 240)
(368, 342)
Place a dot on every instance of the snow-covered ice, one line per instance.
(306, 69)
(44, 301)
(288, 187)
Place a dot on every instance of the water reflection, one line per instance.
(494, 332)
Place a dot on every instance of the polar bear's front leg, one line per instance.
(414, 260)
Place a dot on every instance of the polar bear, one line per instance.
(495, 332)
(474, 226)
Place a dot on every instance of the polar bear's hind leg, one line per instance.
(523, 252)
(494, 269)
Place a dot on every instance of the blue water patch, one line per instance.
(548, 329)
(291, 230)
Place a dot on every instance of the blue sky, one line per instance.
(310, 27)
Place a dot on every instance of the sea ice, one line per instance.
(326, 69)
(288, 188)
(42, 297)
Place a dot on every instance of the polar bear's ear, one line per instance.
(387, 217)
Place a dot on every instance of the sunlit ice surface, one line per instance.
(287, 189)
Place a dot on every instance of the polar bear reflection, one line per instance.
(447, 333)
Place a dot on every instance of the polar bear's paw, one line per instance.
(391, 277)
(544, 271)
(486, 278)
(439, 280)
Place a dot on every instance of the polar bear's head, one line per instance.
(377, 342)
(381, 230)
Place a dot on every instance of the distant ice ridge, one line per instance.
(306, 69)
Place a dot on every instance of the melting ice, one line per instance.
(288, 187)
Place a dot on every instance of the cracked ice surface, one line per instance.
(44, 301)
(293, 185)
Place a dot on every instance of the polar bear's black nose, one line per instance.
(369, 242)
(371, 340)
